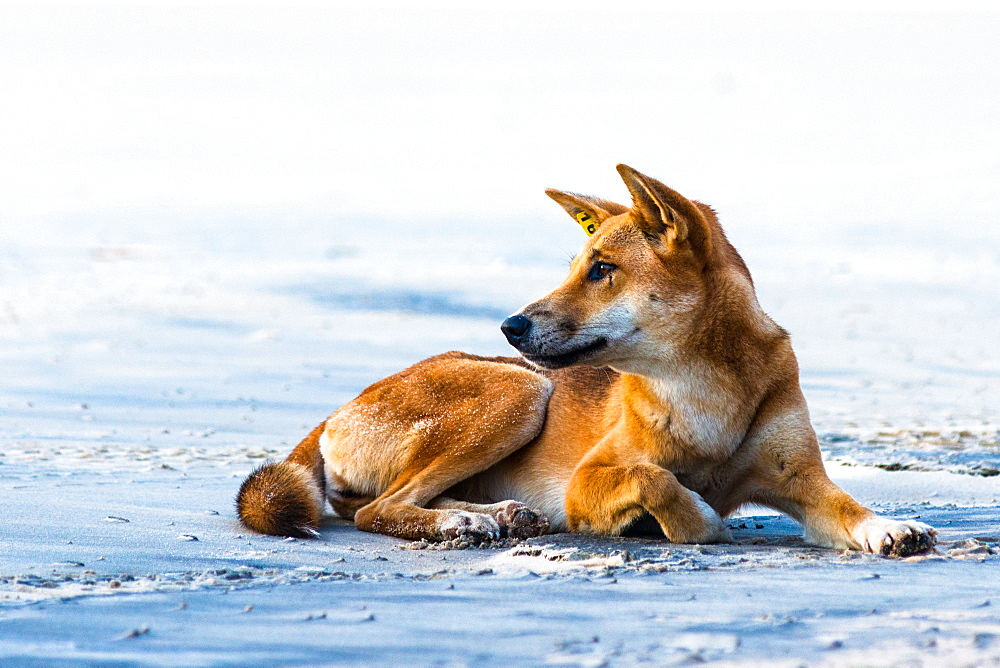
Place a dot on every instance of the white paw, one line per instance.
(517, 520)
(894, 538)
(717, 531)
(476, 527)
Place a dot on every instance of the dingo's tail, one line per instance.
(286, 498)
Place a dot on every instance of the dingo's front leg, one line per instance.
(606, 497)
(832, 518)
(789, 476)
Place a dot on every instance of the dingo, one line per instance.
(654, 385)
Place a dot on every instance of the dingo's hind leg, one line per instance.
(400, 512)
(516, 520)
(445, 420)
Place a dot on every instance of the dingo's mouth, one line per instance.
(567, 358)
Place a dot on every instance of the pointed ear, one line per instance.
(590, 212)
(664, 212)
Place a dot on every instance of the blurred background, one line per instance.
(220, 221)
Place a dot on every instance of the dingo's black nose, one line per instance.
(514, 328)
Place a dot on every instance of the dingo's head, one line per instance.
(640, 290)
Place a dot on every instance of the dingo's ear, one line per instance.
(590, 212)
(664, 212)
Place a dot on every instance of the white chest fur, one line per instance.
(698, 410)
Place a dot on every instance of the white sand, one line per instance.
(186, 289)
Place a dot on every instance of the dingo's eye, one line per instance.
(600, 270)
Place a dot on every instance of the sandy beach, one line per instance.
(218, 226)
(150, 566)
(125, 448)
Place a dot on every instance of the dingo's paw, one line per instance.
(519, 521)
(894, 538)
(474, 527)
(715, 530)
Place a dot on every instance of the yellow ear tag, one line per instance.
(586, 222)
